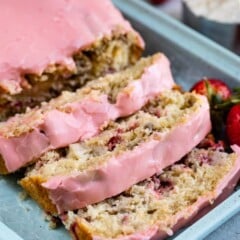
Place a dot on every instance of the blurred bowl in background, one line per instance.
(226, 34)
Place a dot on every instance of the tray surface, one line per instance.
(192, 57)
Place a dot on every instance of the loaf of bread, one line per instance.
(160, 205)
(52, 45)
(125, 152)
(75, 116)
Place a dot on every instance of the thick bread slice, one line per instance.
(59, 48)
(160, 205)
(126, 152)
(77, 116)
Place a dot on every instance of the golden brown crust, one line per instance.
(33, 186)
(3, 169)
(80, 231)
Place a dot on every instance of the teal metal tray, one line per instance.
(192, 57)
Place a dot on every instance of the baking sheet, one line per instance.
(192, 57)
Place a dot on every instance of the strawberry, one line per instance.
(224, 110)
(233, 125)
(217, 93)
(214, 89)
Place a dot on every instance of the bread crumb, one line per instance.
(23, 195)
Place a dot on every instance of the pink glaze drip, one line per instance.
(84, 121)
(17, 150)
(36, 33)
(192, 213)
(82, 188)
(84, 118)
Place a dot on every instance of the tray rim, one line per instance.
(8, 234)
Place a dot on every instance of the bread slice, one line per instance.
(59, 48)
(126, 152)
(160, 205)
(76, 116)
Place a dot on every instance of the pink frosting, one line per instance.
(35, 34)
(202, 205)
(20, 150)
(79, 189)
(84, 118)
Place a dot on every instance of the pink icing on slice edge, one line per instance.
(87, 116)
(191, 214)
(34, 43)
(84, 121)
(18, 151)
(79, 189)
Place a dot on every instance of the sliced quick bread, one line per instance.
(157, 207)
(126, 152)
(75, 116)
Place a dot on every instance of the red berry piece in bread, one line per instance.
(233, 125)
(210, 142)
(214, 89)
(158, 1)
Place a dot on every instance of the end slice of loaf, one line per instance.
(162, 204)
(75, 116)
(95, 40)
(126, 152)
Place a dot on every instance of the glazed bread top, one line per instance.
(38, 34)
(124, 153)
